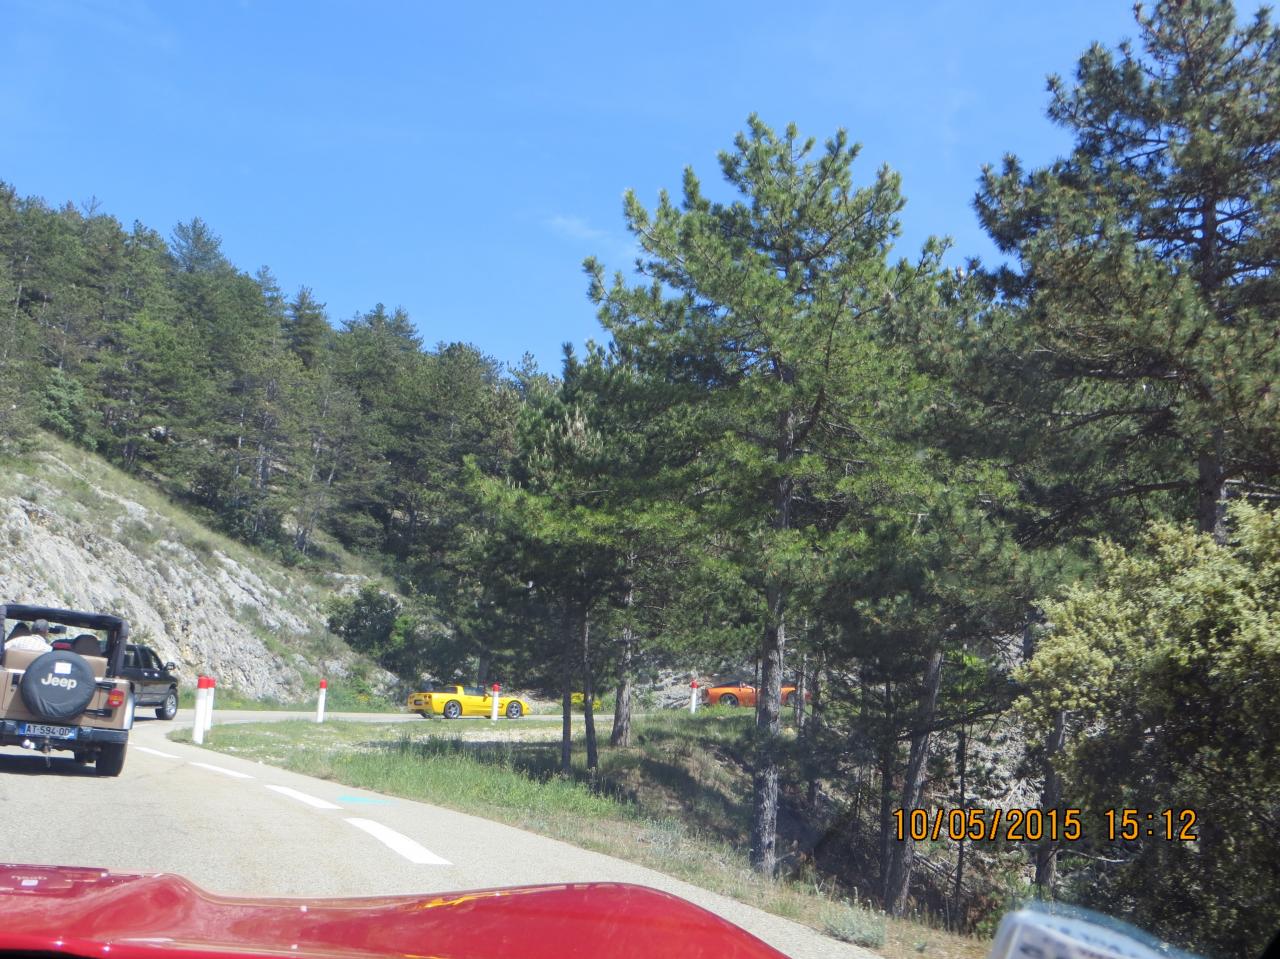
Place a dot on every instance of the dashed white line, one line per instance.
(303, 797)
(398, 843)
(156, 752)
(223, 770)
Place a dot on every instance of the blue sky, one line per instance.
(461, 160)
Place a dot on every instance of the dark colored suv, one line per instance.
(154, 683)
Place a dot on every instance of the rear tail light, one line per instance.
(115, 699)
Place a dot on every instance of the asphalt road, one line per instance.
(239, 827)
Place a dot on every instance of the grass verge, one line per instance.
(666, 802)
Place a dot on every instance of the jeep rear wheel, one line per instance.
(169, 708)
(110, 759)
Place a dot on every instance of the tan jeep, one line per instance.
(72, 698)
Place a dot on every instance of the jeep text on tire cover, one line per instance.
(58, 686)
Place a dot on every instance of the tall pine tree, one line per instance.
(760, 315)
(1140, 340)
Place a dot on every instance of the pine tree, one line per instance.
(306, 327)
(196, 248)
(760, 314)
(560, 536)
(1140, 340)
(145, 374)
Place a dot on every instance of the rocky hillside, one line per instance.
(81, 534)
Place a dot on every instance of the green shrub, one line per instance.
(138, 535)
(201, 547)
(1168, 671)
(66, 408)
(849, 923)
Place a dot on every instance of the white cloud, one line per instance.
(575, 227)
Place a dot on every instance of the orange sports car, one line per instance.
(736, 692)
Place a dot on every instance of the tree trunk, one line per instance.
(621, 734)
(588, 694)
(764, 782)
(902, 854)
(235, 470)
(1211, 488)
(260, 468)
(888, 759)
(1211, 492)
(1050, 798)
(314, 510)
(801, 689)
(814, 726)
(962, 756)
(566, 700)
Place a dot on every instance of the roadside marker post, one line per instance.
(202, 696)
(324, 688)
(208, 706)
(693, 696)
(493, 712)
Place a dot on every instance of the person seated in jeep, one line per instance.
(34, 637)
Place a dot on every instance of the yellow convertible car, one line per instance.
(453, 702)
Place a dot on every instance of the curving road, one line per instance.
(239, 827)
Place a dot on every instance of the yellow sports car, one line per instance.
(452, 702)
(579, 701)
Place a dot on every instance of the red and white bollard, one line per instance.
(493, 712)
(324, 688)
(202, 697)
(693, 696)
(208, 706)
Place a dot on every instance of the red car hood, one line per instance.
(93, 912)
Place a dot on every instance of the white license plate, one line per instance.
(53, 732)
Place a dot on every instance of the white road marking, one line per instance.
(223, 770)
(401, 844)
(303, 797)
(156, 752)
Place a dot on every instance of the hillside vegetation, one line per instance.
(82, 534)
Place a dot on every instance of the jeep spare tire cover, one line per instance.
(58, 685)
